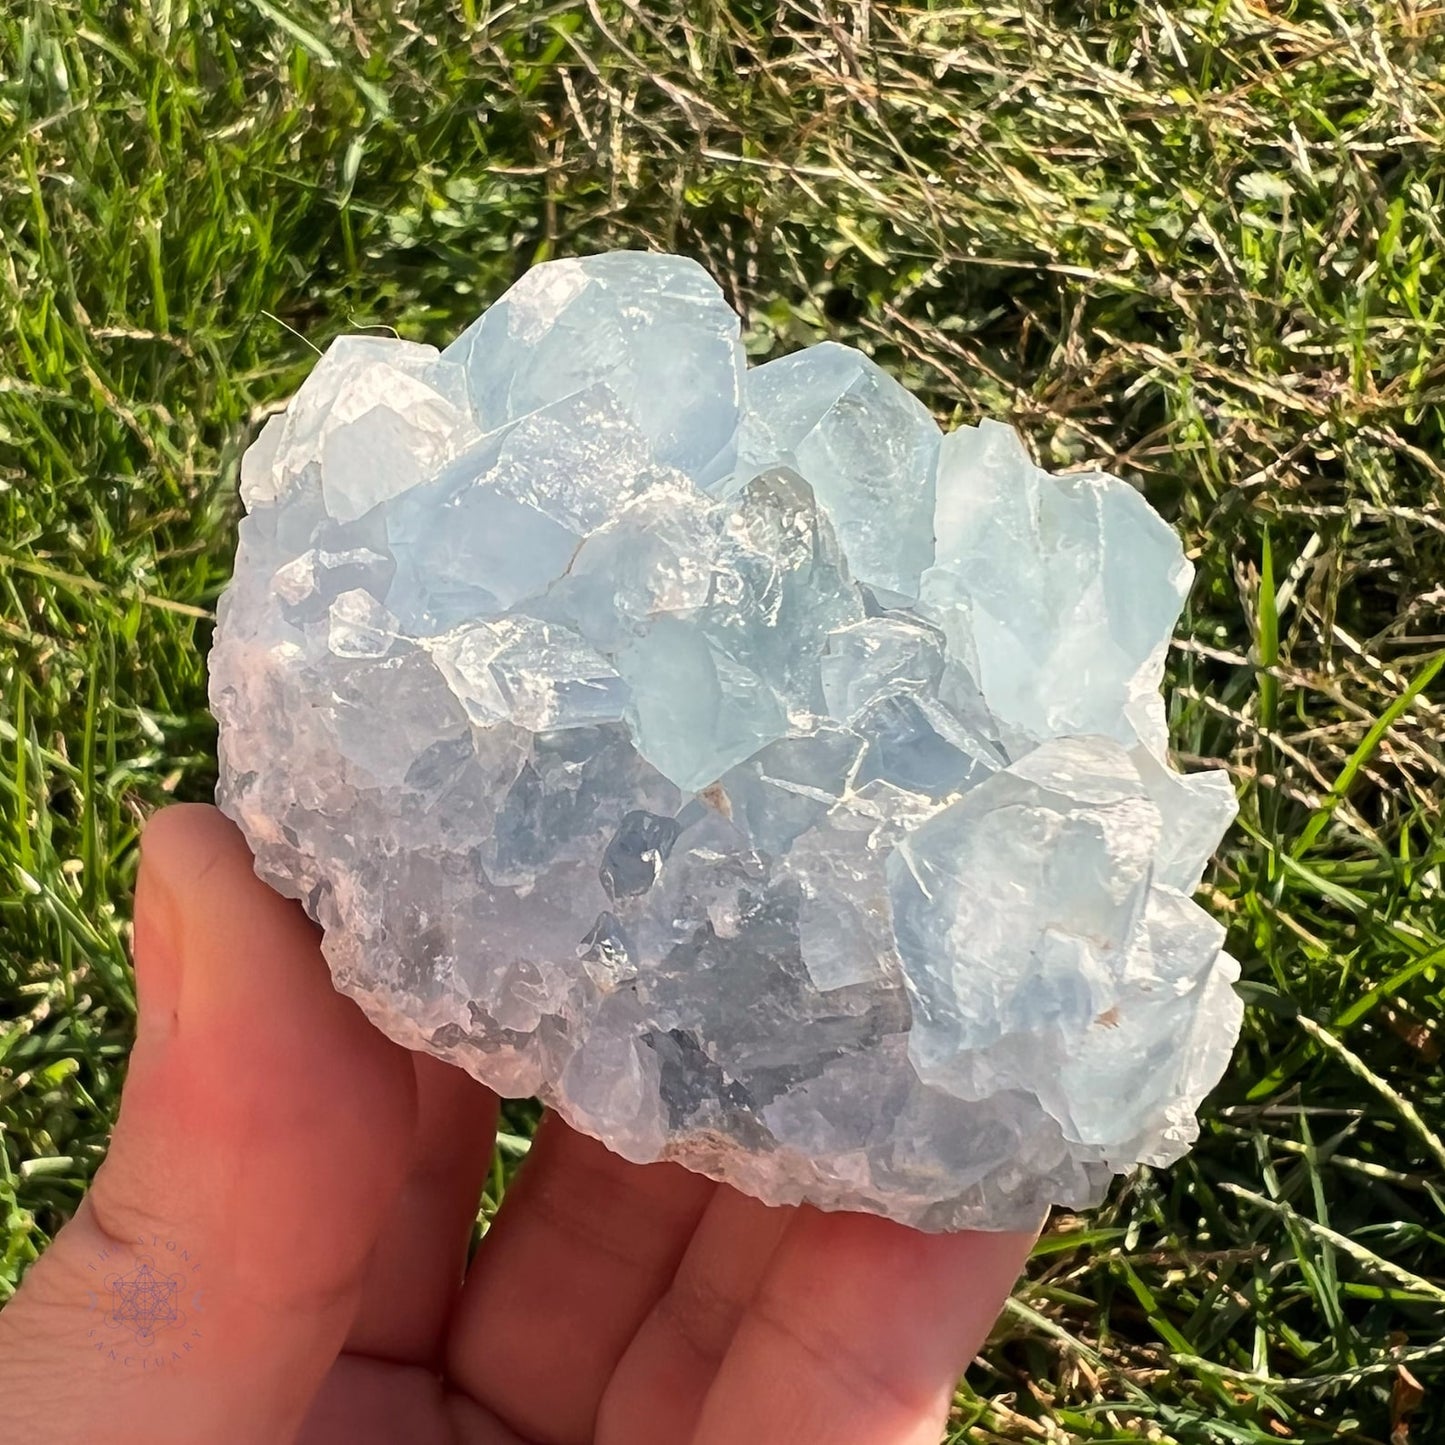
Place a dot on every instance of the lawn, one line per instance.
(1199, 244)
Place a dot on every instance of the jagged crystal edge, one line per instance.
(761, 777)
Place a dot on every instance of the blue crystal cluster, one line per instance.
(764, 778)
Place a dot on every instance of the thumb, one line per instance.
(207, 1280)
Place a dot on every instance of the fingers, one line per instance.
(584, 1246)
(658, 1390)
(373, 1402)
(858, 1334)
(414, 1274)
(213, 1270)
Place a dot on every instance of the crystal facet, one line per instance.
(763, 778)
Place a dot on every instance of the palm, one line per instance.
(629, 1305)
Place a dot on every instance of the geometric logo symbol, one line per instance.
(144, 1302)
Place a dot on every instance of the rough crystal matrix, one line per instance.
(762, 777)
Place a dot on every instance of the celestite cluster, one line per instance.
(765, 779)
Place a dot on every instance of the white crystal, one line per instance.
(533, 674)
(763, 779)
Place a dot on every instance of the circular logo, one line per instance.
(146, 1297)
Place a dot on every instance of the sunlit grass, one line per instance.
(1200, 245)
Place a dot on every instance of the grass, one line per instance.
(1201, 244)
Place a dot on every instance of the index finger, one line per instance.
(859, 1333)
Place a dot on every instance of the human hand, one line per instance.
(312, 1187)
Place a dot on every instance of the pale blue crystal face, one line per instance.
(866, 446)
(761, 777)
(654, 330)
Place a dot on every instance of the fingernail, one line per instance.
(157, 945)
